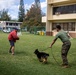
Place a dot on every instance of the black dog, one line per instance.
(41, 56)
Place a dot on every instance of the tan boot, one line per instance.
(65, 66)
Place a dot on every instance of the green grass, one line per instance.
(24, 62)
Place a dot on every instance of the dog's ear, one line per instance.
(36, 49)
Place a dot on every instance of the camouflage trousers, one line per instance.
(65, 48)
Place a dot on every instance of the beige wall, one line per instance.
(60, 17)
(59, 0)
(64, 17)
(49, 12)
(54, 1)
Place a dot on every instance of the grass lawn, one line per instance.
(24, 62)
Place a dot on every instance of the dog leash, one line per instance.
(45, 49)
(54, 56)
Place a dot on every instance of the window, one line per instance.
(70, 26)
(16, 24)
(65, 9)
(73, 26)
(6, 23)
(53, 26)
(65, 26)
(10, 24)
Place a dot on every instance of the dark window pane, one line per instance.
(6, 23)
(69, 26)
(10, 24)
(64, 9)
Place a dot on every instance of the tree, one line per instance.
(0, 15)
(37, 4)
(21, 11)
(4, 15)
(33, 17)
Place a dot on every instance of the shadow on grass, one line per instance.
(51, 63)
(21, 53)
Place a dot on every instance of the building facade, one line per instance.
(61, 12)
(9, 25)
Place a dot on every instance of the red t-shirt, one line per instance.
(13, 36)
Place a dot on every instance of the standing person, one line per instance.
(63, 36)
(12, 37)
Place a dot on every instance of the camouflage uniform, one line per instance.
(65, 48)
